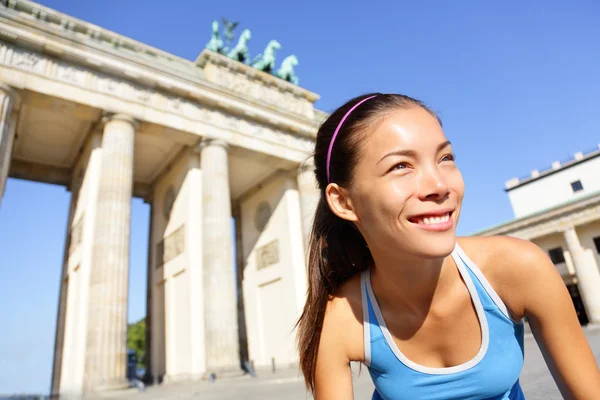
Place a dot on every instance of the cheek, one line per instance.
(388, 200)
(456, 183)
(399, 192)
(383, 202)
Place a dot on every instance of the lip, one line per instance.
(441, 227)
(434, 213)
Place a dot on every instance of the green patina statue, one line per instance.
(240, 51)
(286, 70)
(266, 62)
(215, 43)
(229, 35)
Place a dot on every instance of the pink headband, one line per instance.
(338, 129)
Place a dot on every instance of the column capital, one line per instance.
(572, 239)
(11, 92)
(206, 142)
(7, 89)
(568, 227)
(108, 116)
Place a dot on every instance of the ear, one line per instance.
(339, 202)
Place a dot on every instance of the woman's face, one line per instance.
(407, 191)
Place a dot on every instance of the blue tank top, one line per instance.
(492, 374)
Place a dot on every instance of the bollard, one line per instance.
(273, 364)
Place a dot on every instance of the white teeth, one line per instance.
(434, 220)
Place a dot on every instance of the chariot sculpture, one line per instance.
(265, 61)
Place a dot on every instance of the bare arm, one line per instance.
(544, 299)
(333, 376)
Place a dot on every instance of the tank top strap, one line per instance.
(371, 329)
(488, 295)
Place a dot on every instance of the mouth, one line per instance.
(438, 221)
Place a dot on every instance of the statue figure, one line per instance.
(215, 43)
(229, 27)
(266, 61)
(286, 70)
(240, 51)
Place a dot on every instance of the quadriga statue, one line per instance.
(266, 61)
(286, 70)
(240, 51)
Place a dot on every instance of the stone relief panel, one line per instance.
(105, 83)
(23, 60)
(267, 255)
(170, 247)
(71, 74)
(259, 91)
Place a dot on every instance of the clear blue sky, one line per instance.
(516, 84)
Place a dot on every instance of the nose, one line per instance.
(433, 184)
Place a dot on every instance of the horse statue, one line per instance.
(286, 70)
(215, 44)
(266, 61)
(240, 51)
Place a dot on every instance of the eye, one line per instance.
(448, 157)
(400, 165)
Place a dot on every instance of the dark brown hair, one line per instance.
(337, 250)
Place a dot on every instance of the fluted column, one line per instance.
(107, 331)
(220, 306)
(7, 132)
(149, 286)
(588, 276)
(309, 197)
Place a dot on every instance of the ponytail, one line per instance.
(337, 251)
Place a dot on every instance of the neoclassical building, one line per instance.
(203, 142)
(558, 208)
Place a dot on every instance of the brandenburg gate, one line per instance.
(202, 142)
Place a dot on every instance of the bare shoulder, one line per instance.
(530, 285)
(343, 319)
(340, 342)
(511, 265)
(502, 254)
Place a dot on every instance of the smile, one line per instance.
(434, 222)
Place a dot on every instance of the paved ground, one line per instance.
(536, 381)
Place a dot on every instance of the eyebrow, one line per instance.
(412, 153)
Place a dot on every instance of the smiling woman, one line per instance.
(431, 315)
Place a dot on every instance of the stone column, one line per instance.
(569, 262)
(220, 306)
(107, 334)
(296, 222)
(59, 337)
(149, 285)
(239, 262)
(588, 276)
(309, 197)
(194, 252)
(7, 132)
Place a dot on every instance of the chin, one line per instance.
(438, 246)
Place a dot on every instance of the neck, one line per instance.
(408, 281)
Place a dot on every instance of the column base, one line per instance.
(223, 373)
(116, 384)
(168, 379)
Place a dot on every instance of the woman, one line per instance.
(390, 285)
